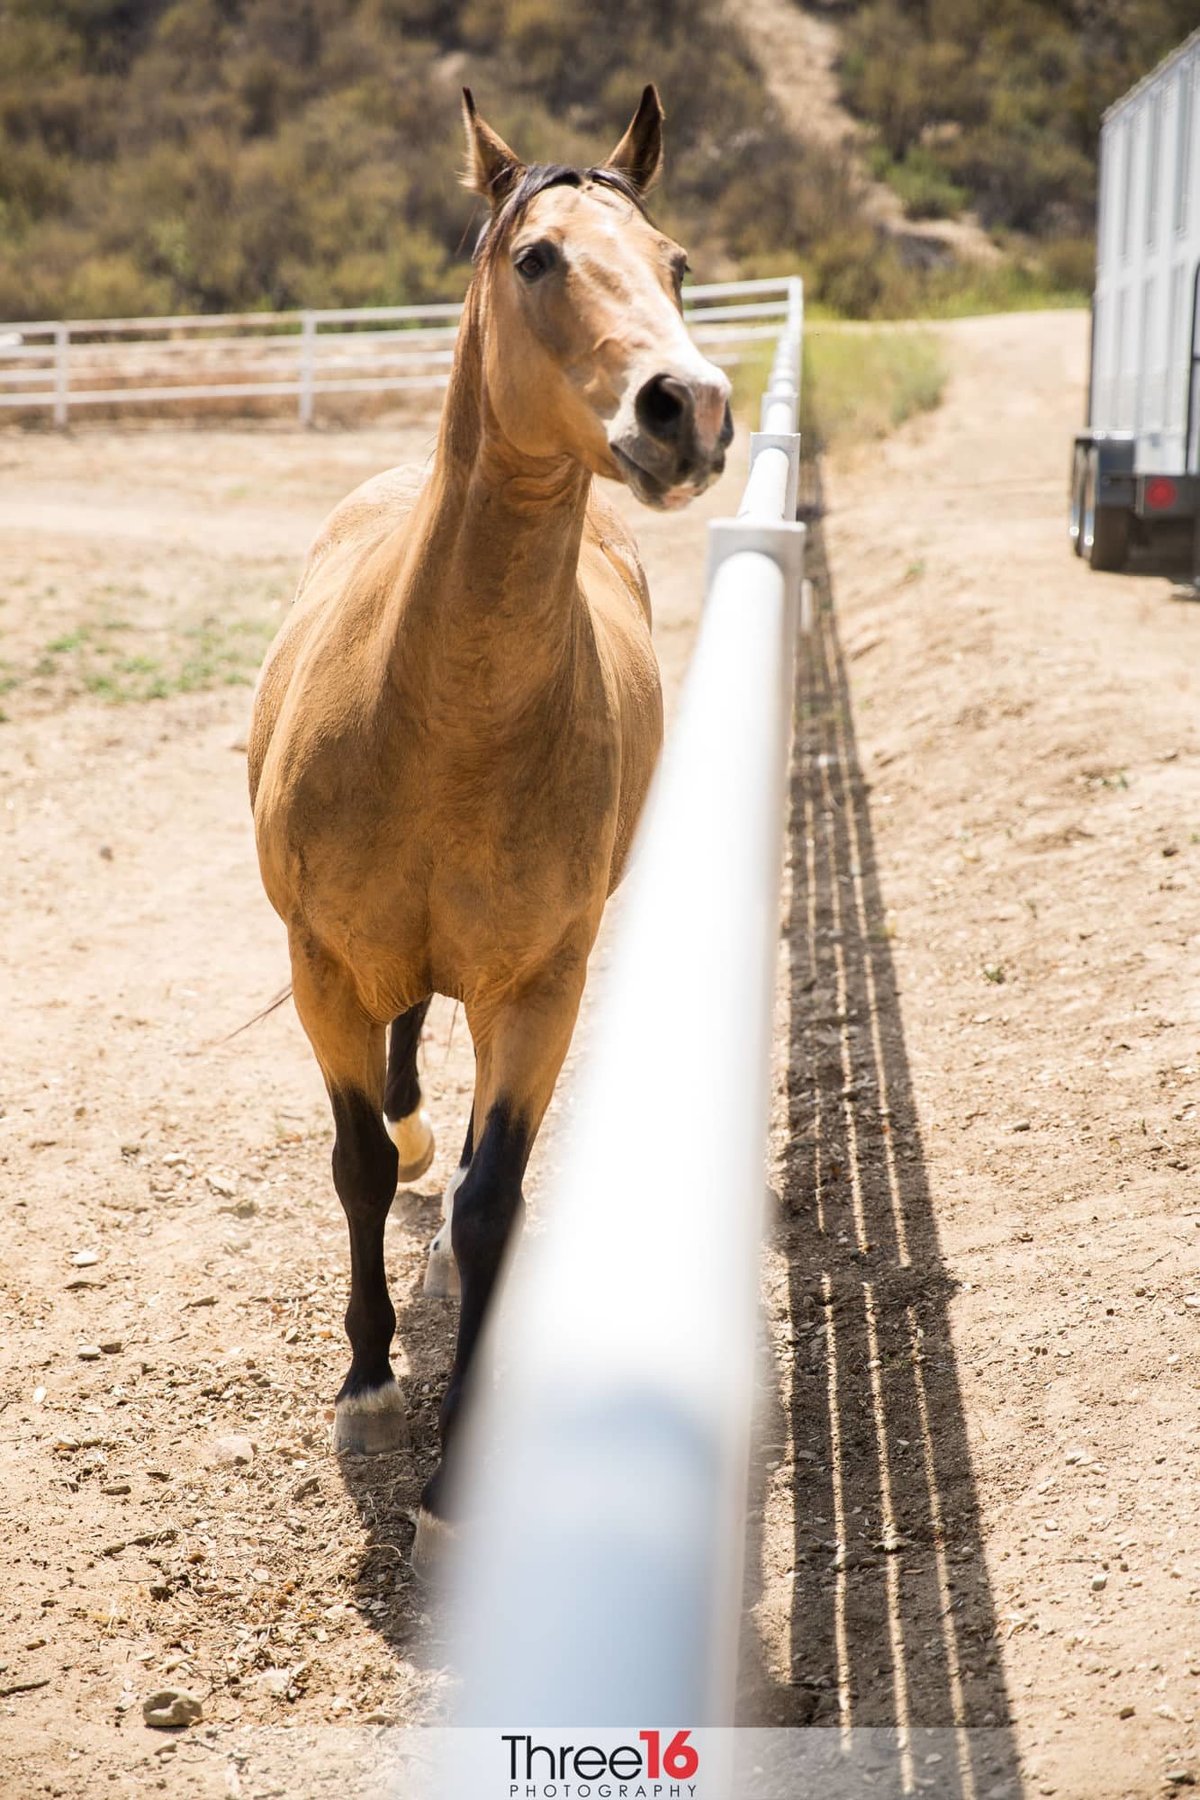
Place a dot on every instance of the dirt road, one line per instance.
(983, 1507)
(976, 1501)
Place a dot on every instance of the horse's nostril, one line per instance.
(662, 407)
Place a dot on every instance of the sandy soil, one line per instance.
(975, 1503)
(984, 1292)
(174, 1267)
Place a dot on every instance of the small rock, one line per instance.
(116, 1487)
(172, 1707)
(111, 1346)
(1192, 1300)
(1075, 1456)
(1127, 1712)
(1099, 1583)
(233, 1450)
(1181, 1778)
(221, 1184)
(1022, 1125)
(275, 1682)
(89, 1353)
(106, 852)
(85, 1259)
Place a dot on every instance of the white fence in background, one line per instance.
(599, 1580)
(60, 365)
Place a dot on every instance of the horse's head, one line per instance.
(585, 351)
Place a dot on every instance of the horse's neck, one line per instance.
(498, 552)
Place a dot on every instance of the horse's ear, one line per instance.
(493, 170)
(638, 156)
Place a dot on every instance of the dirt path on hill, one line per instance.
(976, 1501)
(797, 51)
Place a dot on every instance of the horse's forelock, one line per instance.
(535, 180)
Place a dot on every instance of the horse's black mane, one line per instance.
(535, 180)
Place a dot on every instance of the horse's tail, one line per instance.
(268, 1009)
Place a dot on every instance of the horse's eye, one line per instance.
(534, 262)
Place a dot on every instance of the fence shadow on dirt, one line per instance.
(891, 1624)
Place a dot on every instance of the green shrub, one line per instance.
(1001, 98)
(922, 184)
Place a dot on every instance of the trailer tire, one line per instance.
(1075, 513)
(1104, 530)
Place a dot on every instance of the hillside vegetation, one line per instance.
(216, 154)
(997, 103)
(206, 155)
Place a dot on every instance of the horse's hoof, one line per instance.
(432, 1545)
(441, 1274)
(371, 1423)
(414, 1141)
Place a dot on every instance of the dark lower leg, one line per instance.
(364, 1174)
(464, 1161)
(402, 1094)
(488, 1208)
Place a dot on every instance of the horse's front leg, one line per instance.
(350, 1049)
(520, 1046)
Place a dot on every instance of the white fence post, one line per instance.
(599, 1578)
(62, 376)
(299, 355)
(308, 358)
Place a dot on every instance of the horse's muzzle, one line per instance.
(675, 446)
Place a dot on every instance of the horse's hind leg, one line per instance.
(350, 1049)
(406, 1120)
(441, 1272)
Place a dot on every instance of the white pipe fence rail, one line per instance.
(58, 366)
(599, 1579)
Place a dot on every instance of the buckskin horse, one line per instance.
(456, 727)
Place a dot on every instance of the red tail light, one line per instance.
(1161, 493)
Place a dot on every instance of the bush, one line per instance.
(922, 184)
(1001, 98)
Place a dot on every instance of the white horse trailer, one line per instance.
(1137, 465)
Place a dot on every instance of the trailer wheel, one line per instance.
(1075, 515)
(1104, 529)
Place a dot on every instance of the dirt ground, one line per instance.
(975, 1503)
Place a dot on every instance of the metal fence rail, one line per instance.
(60, 365)
(599, 1581)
